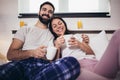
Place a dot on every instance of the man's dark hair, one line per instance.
(49, 3)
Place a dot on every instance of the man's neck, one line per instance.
(41, 25)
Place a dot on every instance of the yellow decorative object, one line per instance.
(22, 23)
(79, 24)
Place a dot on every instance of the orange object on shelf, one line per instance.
(79, 24)
(22, 23)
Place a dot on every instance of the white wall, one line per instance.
(9, 21)
(94, 23)
(99, 23)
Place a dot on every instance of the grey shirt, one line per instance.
(33, 37)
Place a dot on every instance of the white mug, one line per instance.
(51, 52)
(67, 37)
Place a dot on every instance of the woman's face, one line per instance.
(58, 27)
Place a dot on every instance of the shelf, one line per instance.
(91, 31)
(82, 31)
(69, 15)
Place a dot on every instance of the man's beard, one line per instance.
(44, 21)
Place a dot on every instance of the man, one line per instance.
(29, 41)
(27, 54)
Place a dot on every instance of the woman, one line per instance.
(58, 28)
(107, 67)
(78, 49)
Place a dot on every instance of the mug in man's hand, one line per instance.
(51, 52)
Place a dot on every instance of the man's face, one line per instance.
(45, 14)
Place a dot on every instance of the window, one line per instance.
(68, 8)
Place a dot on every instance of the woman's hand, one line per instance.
(59, 41)
(82, 45)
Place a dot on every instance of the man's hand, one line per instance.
(40, 52)
(85, 38)
(73, 42)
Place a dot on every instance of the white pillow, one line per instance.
(99, 44)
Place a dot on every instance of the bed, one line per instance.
(100, 36)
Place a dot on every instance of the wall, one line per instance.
(94, 23)
(9, 21)
(99, 23)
